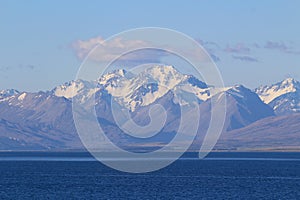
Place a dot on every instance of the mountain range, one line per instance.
(264, 118)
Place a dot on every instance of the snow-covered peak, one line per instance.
(162, 72)
(283, 97)
(145, 87)
(289, 81)
(127, 88)
(166, 76)
(269, 93)
(68, 89)
(236, 90)
(114, 76)
(139, 88)
(239, 91)
(142, 88)
(120, 72)
(73, 88)
(8, 93)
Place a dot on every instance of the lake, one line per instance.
(41, 175)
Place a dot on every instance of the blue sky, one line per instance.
(257, 42)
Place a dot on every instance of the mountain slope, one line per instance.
(243, 107)
(41, 119)
(269, 133)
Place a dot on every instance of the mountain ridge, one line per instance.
(47, 116)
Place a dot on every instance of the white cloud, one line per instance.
(109, 50)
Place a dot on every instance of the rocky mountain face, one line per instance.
(44, 120)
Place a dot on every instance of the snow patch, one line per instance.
(22, 96)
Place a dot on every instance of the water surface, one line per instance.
(41, 175)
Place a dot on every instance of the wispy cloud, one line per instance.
(114, 48)
(246, 51)
(18, 67)
(276, 45)
(209, 44)
(256, 45)
(282, 47)
(237, 48)
(214, 57)
(211, 48)
(245, 58)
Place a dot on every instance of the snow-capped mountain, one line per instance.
(43, 120)
(151, 84)
(132, 90)
(283, 97)
(82, 90)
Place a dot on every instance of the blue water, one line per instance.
(220, 176)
